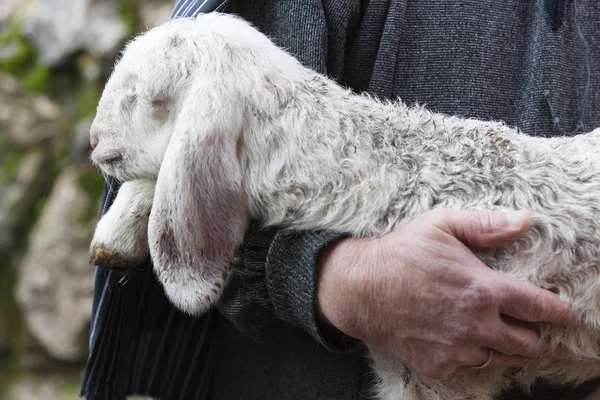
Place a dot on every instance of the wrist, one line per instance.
(339, 286)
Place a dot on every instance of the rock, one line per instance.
(5, 346)
(33, 389)
(8, 50)
(7, 9)
(59, 28)
(55, 283)
(49, 386)
(18, 198)
(18, 195)
(26, 120)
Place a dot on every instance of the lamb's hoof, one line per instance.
(110, 259)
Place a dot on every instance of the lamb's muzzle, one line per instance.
(232, 127)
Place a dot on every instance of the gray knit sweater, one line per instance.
(487, 59)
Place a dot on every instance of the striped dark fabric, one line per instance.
(191, 8)
(140, 344)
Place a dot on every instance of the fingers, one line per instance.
(480, 357)
(482, 228)
(511, 337)
(526, 302)
(520, 300)
(504, 360)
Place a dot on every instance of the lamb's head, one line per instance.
(158, 74)
(140, 104)
(170, 112)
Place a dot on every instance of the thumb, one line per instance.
(485, 228)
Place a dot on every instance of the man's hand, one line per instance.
(422, 295)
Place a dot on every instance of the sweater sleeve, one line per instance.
(273, 286)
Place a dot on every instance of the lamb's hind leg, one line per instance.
(121, 236)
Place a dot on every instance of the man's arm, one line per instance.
(274, 284)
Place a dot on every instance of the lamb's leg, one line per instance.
(121, 237)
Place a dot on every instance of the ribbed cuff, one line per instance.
(246, 302)
(291, 278)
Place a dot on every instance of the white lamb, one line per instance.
(208, 124)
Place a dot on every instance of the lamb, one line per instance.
(207, 123)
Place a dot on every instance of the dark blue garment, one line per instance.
(556, 12)
(191, 8)
(139, 343)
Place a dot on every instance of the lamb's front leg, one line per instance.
(121, 236)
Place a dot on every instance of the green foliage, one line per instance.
(11, 325)
(10, 164)
(88, 98)
(67, 382)
(70, 389)
(91, 181)
(17, 63)
(24, 63)
(39, 205)
(12, 328)
(12, 33)
(37, 79)
(128, 12)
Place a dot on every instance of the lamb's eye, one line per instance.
(129, 100)
(131, 97)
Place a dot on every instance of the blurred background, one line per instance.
(55, 56)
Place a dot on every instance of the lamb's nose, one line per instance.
(93, 138)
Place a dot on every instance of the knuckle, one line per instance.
(486, 222)
(449, 360)
(466, 333)
(436, 372)
(517, 344)
(535, 309)
(468, 358)
(479, 297)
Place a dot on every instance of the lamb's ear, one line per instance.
(199, 213)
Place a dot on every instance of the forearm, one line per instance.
(274, 284)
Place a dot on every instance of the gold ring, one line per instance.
(487, 362)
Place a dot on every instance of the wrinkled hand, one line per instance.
(422, 295)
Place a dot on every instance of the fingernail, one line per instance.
(516, 218)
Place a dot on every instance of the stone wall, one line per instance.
(55, 56)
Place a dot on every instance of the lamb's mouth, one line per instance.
(108, 159)
(112, 159)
